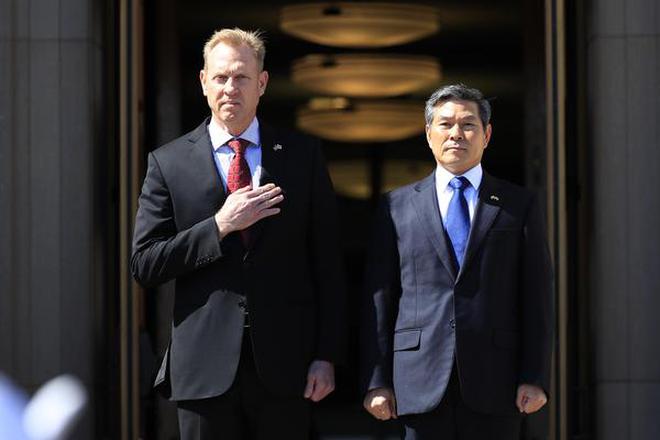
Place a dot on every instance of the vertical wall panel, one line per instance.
(46, 207)
(641, 16)
(643, 117)
(610, 225)
(76, 247)
(624, 98)
(75, 18)
(50, 235)
(612, 407)
(44, 22)
(607, 17)
(644, 411)
(6, 197)
(20, 213)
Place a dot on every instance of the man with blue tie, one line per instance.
(458, 314)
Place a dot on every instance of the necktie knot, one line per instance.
(238, 145)
(459, 183)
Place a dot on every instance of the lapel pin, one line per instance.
(497, 199)
(277, 147)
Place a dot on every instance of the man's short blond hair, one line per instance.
(236, 37)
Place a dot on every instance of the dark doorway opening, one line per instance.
(496, 48)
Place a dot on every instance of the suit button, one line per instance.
(452, 323)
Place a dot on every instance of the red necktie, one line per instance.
(239, 174)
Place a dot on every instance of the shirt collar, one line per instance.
(474, 175)
(220, 137)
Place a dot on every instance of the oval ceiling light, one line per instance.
(351, 178)
(341, 120)
(366, 75)
(359, 24)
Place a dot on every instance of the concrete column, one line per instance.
(624, 104)
(50, 114)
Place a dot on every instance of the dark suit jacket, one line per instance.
(495, 316)
(290, 277)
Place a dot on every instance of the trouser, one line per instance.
(453, 420)
(248, 410)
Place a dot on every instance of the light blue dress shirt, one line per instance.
(445, 192)
(223, 154)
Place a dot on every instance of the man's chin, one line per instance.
(454, 160)
(455, 166)
(229, 116)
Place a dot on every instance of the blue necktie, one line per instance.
(458, 218)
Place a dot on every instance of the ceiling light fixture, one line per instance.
(343, 120)
(363, 24)
(366, 75)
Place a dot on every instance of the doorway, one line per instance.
(499, 49)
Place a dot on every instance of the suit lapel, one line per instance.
(488, 206)
(273, 156)
(425, 201)
(201, 160)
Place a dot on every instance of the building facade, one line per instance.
(87, 87)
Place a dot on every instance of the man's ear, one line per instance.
(489, 132)
(428, 134)
(263, 81)
(202, 80)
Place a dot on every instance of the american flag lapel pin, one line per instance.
(277, 147)
(495, 198)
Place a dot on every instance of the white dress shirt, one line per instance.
(445, 192)
(223, 154)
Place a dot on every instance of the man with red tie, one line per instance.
(242, 216)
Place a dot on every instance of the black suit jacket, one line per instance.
(494, 317)
(289, 277)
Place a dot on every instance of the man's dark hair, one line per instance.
(458, 91)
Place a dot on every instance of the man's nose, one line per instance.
(456, 132)
(230, 87)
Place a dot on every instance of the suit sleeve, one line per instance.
(328, 271)
(160, 251)
(380, 305)
(537, 301)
